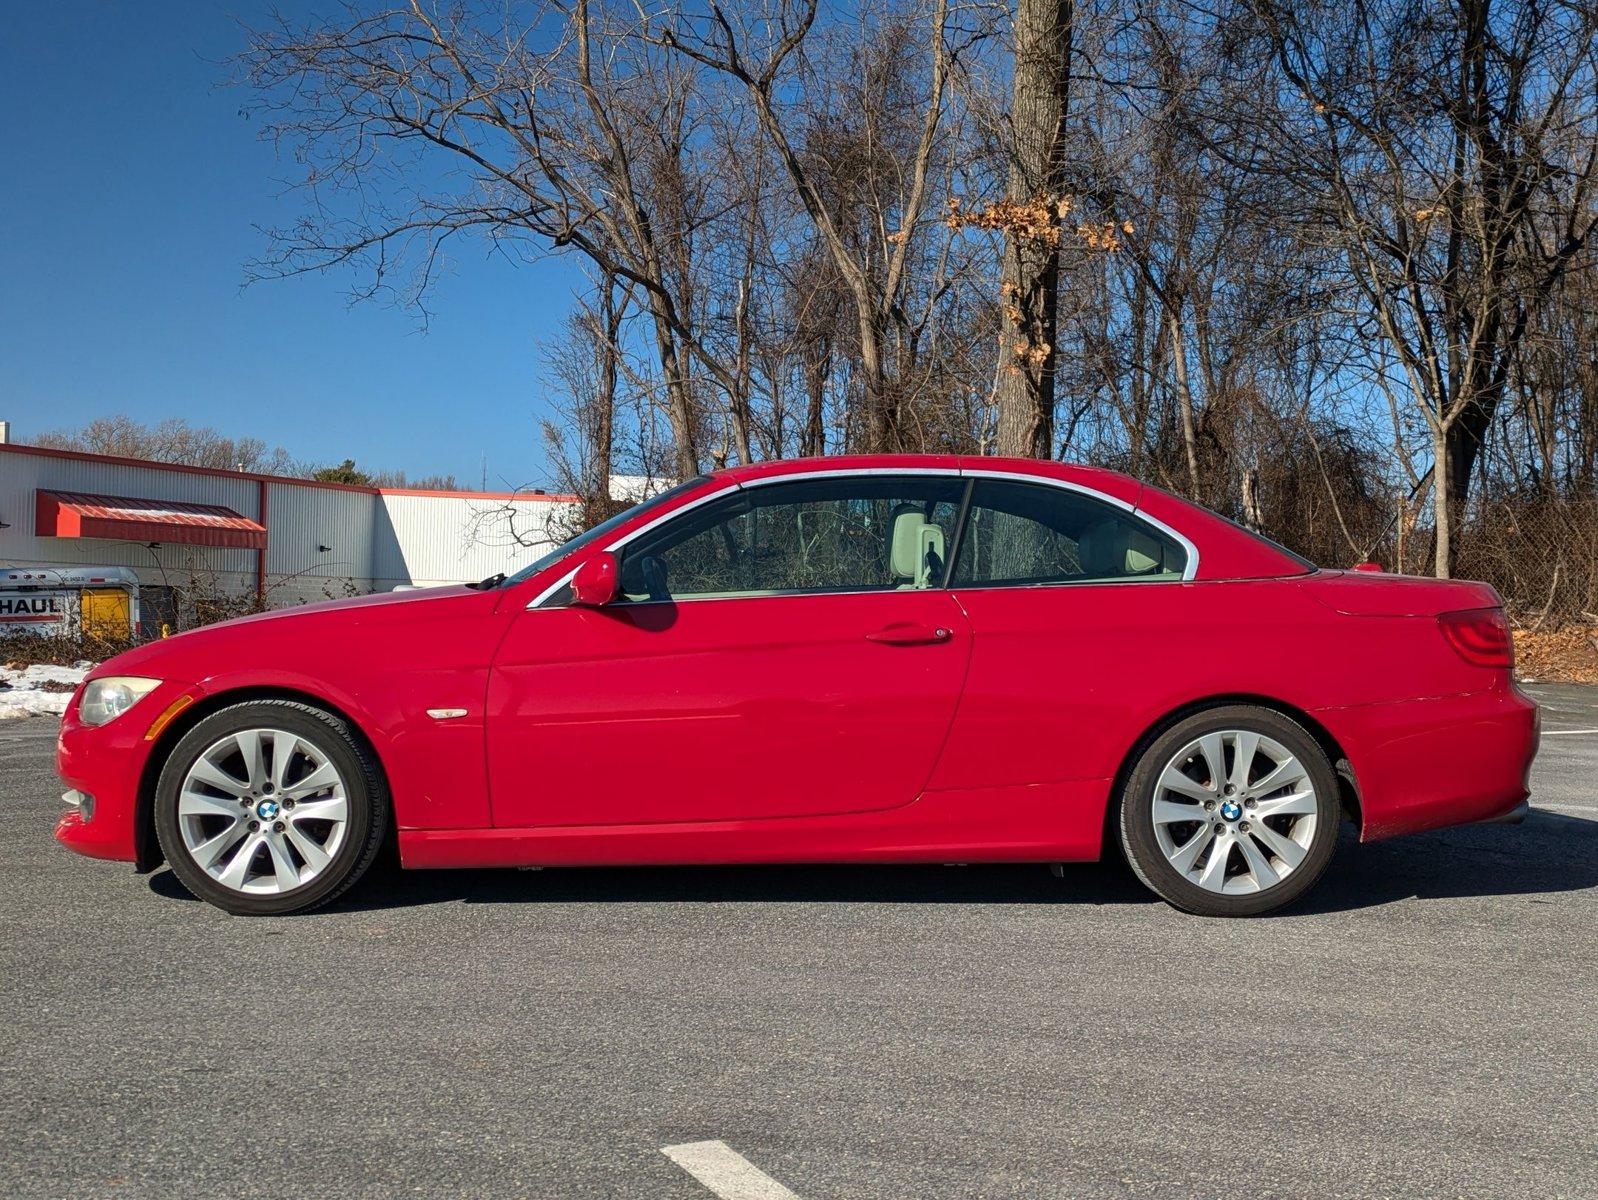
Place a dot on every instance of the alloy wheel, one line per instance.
(1235, 812)
(263, 811)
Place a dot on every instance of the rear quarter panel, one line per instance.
(1065, 680)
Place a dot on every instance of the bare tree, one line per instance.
(1326, 267)
(1450, 154)
(173, 440)
(765, 53)
(1029, 285)
(568, 130)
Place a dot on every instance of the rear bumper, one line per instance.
(1428, 764)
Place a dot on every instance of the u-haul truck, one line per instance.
(98, 601)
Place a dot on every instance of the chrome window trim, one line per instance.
(1188, 572)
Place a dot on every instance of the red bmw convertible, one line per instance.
(884, 659)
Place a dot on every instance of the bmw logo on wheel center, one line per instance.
(1231, 811)
(267, 810)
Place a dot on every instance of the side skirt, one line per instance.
(1059, 822)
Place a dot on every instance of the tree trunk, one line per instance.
(1404, 524)
(679, 402)
(813, 438)
(1442, 505)
(1253, 515)
(1030, 280)
(1184, 402)
(743, 371)
(607, 329)
(881, 405)
(1466, 436)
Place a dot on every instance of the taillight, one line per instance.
(1480, 636)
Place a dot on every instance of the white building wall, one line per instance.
(427, 540)
(375, 541)
(301, 519)
(21, 475)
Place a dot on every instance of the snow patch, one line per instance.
(23, 693)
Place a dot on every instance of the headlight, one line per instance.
(106, 699)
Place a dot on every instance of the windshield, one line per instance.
(603, 528)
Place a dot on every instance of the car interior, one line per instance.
(788, 539)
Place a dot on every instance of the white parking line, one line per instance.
(1566, 732)
(726, 1172)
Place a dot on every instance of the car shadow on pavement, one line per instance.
(1548, 853)
(1004, 883)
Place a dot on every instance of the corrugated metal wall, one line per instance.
(300, 521)
(374, 541)
(446, 539)
(23, 474)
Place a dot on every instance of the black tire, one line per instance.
(366, 796)
(1136, 820)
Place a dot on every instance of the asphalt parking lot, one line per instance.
(1425, 1025)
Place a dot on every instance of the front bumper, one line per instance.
(1449, 760)
(107, 762)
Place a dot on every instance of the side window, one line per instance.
(849, 534)
(1023, 533)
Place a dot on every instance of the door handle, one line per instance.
(906, 633)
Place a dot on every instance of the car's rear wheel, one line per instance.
(1231, 812)
(270, 807)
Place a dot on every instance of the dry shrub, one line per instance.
(63, 649)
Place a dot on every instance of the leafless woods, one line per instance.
(1327, 267)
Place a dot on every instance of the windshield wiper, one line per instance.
(489, 584)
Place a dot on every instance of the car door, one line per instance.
(1076, 604)
(787, 650)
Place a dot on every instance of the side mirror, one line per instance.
(597, 582)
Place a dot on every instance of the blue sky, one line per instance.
(130, 198)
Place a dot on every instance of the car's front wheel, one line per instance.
(270, 807)
(1231, 812)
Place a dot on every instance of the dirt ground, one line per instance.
(1568, 655)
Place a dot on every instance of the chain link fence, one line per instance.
(1540, 553)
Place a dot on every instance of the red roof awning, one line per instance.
(131, 519)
